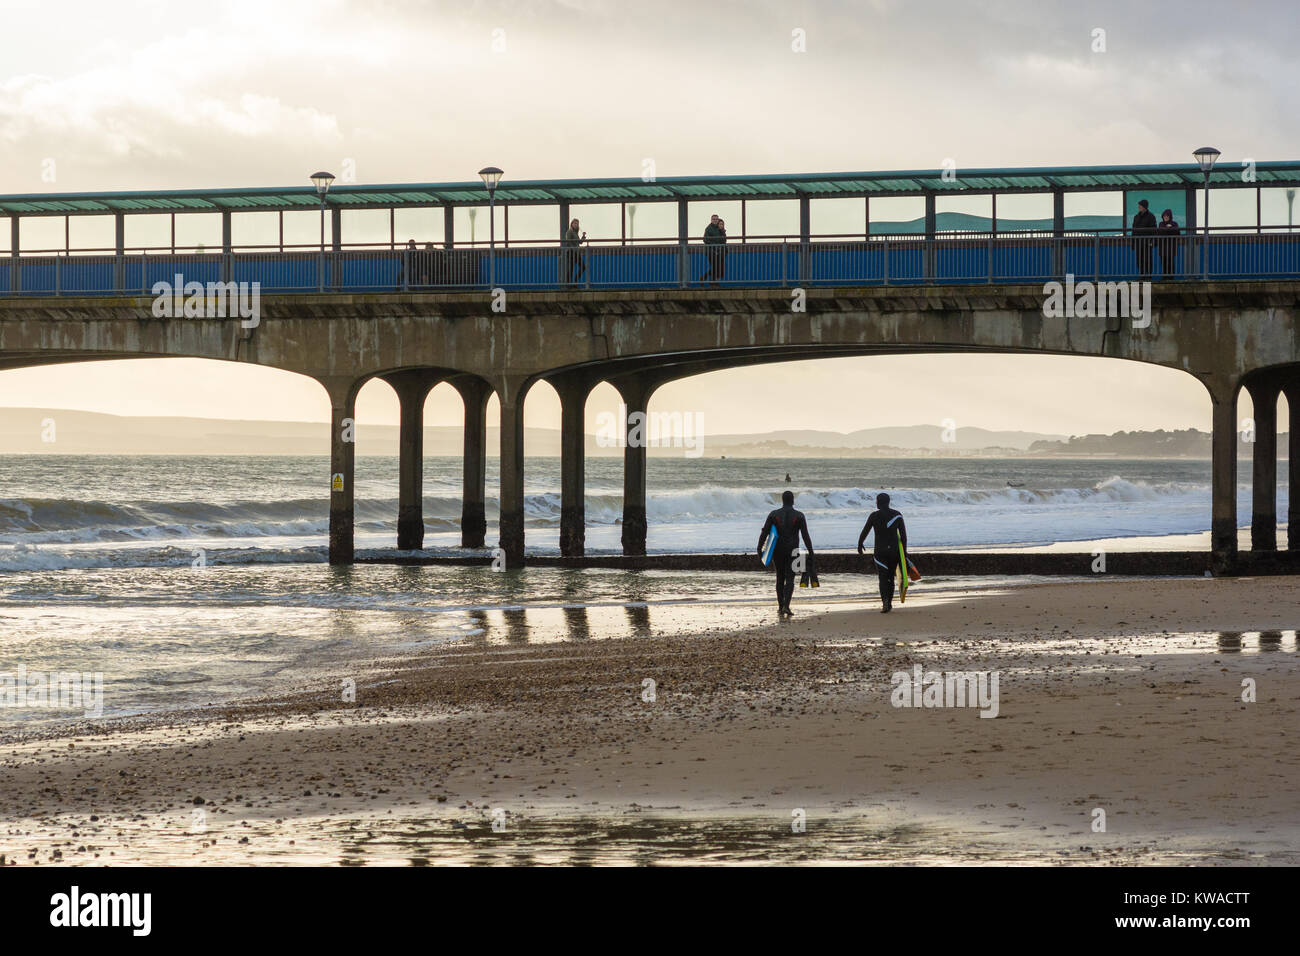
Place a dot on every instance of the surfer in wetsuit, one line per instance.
(890, 530)
(787, 524)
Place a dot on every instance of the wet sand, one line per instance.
(1118, 695)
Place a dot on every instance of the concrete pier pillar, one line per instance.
(1293, 467)
(343, 455)
(474, 392)
(1263, 519)
(573, 513)
(412, 387)
(511, 541)
(1223, 512)
(636, 393)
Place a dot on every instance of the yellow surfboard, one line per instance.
(902, 573)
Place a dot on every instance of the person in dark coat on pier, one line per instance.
(715, 238)
(1167, 233)
(1144, 231)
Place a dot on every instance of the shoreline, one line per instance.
(1104, 703)
(942, 563)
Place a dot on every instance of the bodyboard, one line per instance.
(769, 548)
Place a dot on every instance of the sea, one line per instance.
(192, 580)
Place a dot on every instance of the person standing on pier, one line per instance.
(573, 257)
(714, 238)
(718, 255)
(890, 531)
(787, 524)
(1144, 231)
(1167, 244)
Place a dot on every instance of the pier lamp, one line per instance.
(1205, 157)
(491, 177)
(322, 181)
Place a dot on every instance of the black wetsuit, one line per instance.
(790, 524)
(889, 528)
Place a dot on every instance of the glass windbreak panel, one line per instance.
(652, 221)
(43, 235)
(1277, 206)
(963, 214)
(536, 225)
(365, 227)
(198, 232)
(152, 234)
(832, 219)
(1025, 213)
(1092, 212)
(699, 214)
(254, 231)
(92, 232)
(426, 224)
(1175, 200)
(600, 221)
(1231, 209)
(897, 215)
(469, 222)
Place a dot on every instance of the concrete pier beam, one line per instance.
(511, 392)
(474, 392)
(1293, 466)
(343, 456)
(1223, 465)
(412, 387)
(636, 391)
(1263, 519)
(573, 392)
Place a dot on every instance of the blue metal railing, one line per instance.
(880, 260)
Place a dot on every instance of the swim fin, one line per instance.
(809, 577)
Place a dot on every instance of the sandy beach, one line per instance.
(1118, 695)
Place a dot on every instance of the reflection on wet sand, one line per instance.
(1236, 642)
(638, 618)
(659, 839)
(480, 627)
(680, 840)
(579, 627)
(574, 622)
(515, 620)
(1230, 641)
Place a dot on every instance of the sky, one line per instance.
(214, 94)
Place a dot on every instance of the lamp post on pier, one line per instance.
(1206, 156)
(322, 181)
(491, 177)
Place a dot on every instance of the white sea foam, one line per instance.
(52, 533)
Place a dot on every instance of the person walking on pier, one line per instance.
(890, 532)
(573, 257)
(1167, 244)
(1144, 230)
(787, 524)
(407, 274)
(715, 238)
